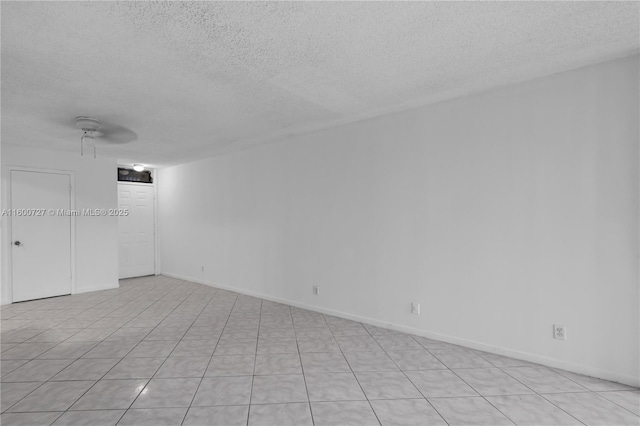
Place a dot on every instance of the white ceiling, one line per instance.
(199, 78)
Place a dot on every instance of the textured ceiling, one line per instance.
(198, 78)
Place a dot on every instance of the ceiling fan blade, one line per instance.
(63, 121)
(107, 132)
(116, 134)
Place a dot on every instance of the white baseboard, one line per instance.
(96, 288)
(80, 291)
(472, 344)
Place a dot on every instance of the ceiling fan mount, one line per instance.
(89, 127)
(87, 124)
(94, 131)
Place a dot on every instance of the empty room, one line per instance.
(320, 213)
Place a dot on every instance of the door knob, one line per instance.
(16, 243)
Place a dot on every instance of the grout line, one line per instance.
(408, 378)
(99, 342)
(131, 301)
(503, 369)
(356, 377)
(50, 379)
(304, 377)
(210, 358)
(613, 402)
(255, 360)
(482, 396)
(147, 381)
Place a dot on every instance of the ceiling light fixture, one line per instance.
(138, 167)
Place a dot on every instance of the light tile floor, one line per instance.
(160, 351)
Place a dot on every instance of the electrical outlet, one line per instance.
(203, 269)
(415, 308)
(316, 290)
(559, 332)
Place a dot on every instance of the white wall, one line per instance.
(501, 214)
(95, 188)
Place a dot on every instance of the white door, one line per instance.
(137, 233)
(40, 235)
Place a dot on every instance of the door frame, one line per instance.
(156, 245)
(9, 240)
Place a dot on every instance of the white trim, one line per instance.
(90, 289)
(526, 356)
(156, 228)
(9, 229)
